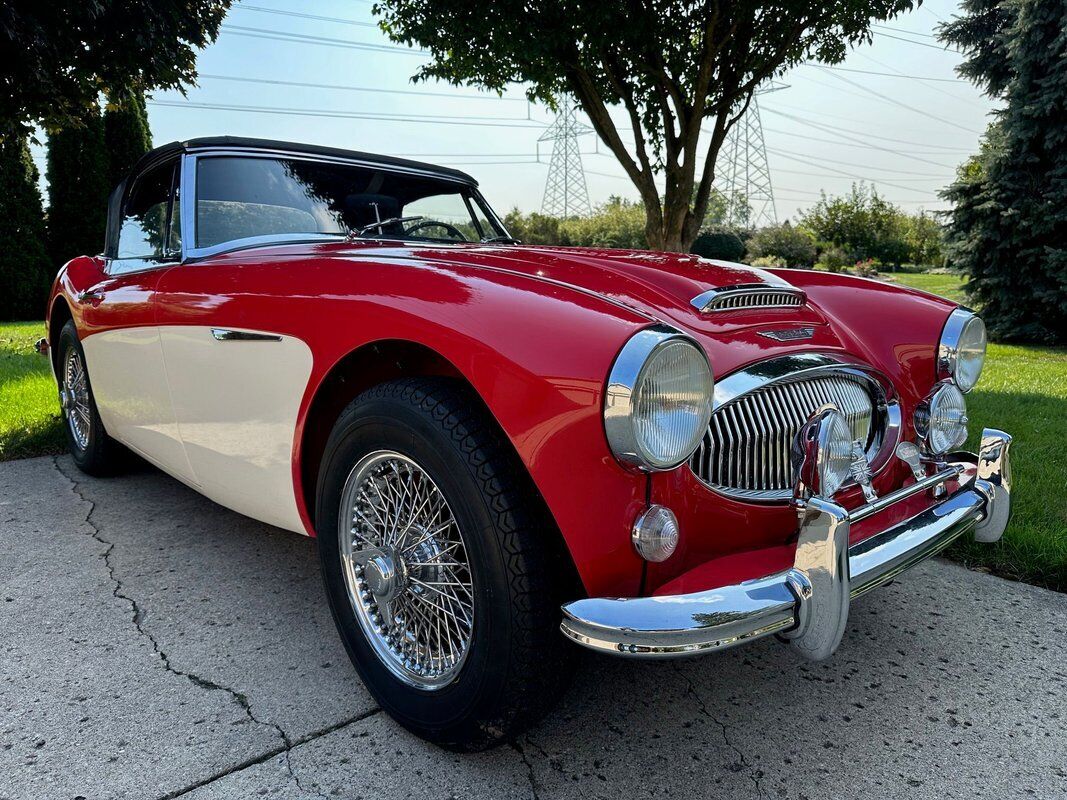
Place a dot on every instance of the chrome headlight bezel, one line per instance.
(961, 328)
(625, 379)
(927, 414)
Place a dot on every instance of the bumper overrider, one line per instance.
(807, 605)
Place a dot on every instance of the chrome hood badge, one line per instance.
(789, 334)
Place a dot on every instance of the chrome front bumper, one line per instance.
(807, 604)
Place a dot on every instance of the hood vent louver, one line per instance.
(747, 296)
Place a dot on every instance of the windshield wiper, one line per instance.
(381, 224)
(500, 239)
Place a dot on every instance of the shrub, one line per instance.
(833, 259)
(868, 268)
(616, 223)
(768, 262)
(794, 245)
(77, 189)
(25, 270)
(126, 135)
(723, 244)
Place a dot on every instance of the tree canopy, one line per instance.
(25, 270)
(681, 71)
(126, 135)
(57, 56)
(77, 189)
(1008, 227)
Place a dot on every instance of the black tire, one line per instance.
(99, 454)
(518, 663)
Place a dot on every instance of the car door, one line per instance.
(236, 371)
(117, 324)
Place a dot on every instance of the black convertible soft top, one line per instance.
(206, 142)
(245, 143)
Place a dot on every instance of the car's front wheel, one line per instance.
(93, 451)
(437, 567)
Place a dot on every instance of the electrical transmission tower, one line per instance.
(565, 192)
(746, 175)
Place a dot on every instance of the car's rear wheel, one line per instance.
(438, 565)
(93, 451)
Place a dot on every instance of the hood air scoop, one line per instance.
(748, 295)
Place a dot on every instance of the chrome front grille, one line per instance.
(745, 451)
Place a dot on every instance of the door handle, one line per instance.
(91, 296)
(227, 335)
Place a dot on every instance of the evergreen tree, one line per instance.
(77, 189)
(1008, 228)
(26, 272)
(126, 135)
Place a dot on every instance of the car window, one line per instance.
(444, 216)
(146, 216)
(241, 197)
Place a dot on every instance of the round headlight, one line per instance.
(658, 400)
(961, 353)
(822, 452)
(941, 420)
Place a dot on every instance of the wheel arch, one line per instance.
(374, 363)
(58, 316)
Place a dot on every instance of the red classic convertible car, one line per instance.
(656, 454)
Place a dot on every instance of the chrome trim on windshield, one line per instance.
(187, 198)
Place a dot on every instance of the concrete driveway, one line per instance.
(158, 646)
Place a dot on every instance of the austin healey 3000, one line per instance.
(502, 450)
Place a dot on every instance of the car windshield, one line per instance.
(240, 197)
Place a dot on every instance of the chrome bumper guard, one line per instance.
(807, 604)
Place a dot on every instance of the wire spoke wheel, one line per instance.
(74, 398)
(406, 569)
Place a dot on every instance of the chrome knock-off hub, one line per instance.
(406, 569)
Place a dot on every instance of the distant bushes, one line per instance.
(617, 223)
(723, 244)
(835, 234)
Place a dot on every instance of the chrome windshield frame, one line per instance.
(187, 197)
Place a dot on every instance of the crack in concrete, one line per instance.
(118, 591)
(268, 755)
(530, 777)
(754, 773)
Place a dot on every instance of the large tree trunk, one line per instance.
(672, 229)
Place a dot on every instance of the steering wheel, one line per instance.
(434, 223)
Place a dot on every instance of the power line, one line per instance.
(924, 78)
(918, 44)
(312, 112)
(379, 90)
(863, 146)
(938, 89)
(903, 30)
(301, 38)
(896, 102)
(943, 150)
(779, 151)
(301, 15)
(847, 174)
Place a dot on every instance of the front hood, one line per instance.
(660, 285)
(889, 327)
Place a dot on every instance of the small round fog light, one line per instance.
(655, 534)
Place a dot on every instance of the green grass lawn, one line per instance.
(29, 408)
(950, 286)
(1023, 391)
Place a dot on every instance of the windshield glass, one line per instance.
(238, 197)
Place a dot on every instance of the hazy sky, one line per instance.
(824, 130)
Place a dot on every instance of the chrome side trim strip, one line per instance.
(227, 335)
